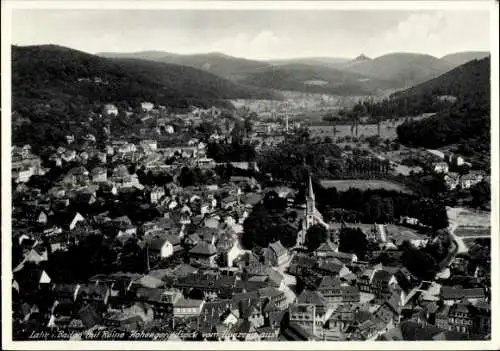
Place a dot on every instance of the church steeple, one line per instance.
(310, 192)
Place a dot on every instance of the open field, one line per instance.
(387, 128)
(464, 217)
(364, 184)
(468, 231)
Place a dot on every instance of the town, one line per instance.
(212, 224)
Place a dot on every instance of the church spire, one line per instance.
(310, 192)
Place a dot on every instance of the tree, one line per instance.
(131, 257)
(481, 194)
(315, 236)
(353, 240)
(419, 263)
(264, 226)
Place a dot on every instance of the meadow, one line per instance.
(364, 184)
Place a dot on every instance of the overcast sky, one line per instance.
(256, 34)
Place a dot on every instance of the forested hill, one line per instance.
(464, 120)
(50, 71)
(467, 83)
(471, 79)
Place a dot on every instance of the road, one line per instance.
(289, 281)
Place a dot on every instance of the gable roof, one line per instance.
(203, 248)
(329, 282)
(382, 276)
(451, 293)
(311, 297)
(327, 246)
(149, 281)
(278, 248)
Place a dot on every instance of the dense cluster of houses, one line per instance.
(199, 283)
(456, 180)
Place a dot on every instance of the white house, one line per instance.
(110, 110)
(77, 218)
(147, 106)
(151, 144)
(441, 167)
(235, 252)
(471, 179)
(69, 155)
(164, 247)
(129, 147)
(25, 174)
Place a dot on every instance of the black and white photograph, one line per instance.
(250, 174)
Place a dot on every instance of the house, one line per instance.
(92, 293)
(147, 106)
(332, 267)
(276, 254)
(24, 174)
(128, 319)
(151, 144)
(441, 167)
(30, 278)
(274, 296)
(305, 316)
(216, 312)
(314, 298)
(204, 253)
(42, 218)
(251, 312)
(159, 300)
(188, 308)
(452, 180)
(110, 110)
(483, 318)
(156, 194)
(461, 317)
(364, 280)
(383, 283)
(99, 174)
(346, 258)
(389, 311)
(165, 246)
(472, 178)
(441, 318)
(68, 155)
(77, 218)
(233, 253)
(326, 249)
(330, 289)
(148, 281)
(451, 295)
(350, 294)
(65, 293)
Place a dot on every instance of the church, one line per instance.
(311, 216)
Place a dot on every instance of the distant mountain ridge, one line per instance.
(390, 71)
(217, 63)
(405, 69)
(314, 79)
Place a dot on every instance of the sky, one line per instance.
(256, 34)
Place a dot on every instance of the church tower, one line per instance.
(310, 205)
